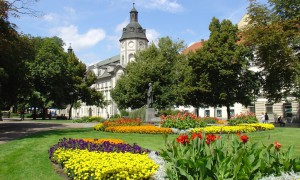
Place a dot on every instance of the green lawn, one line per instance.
(27, 158)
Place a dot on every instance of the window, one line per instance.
(269, 108)
(219, 113)
(207, 113)
(252, 108)
(231, 112)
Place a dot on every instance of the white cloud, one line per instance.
(70, 34)
(164, 5)
(152, 35)
(49, 17)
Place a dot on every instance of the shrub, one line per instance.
(245, 118)
(207, 156)
(166, 112)
(89, 119)
(182, 121)
(139, 129)
(138, 113)
(212, 120)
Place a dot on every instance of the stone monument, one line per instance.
(150, 112)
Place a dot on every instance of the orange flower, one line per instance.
(199, 135)
(183, 139)
(244, 138)
(238, 134)
(210, 138)
(277, 145)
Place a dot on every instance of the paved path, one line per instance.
(11, 129)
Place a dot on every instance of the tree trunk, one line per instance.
(45, 113)
(228, 112)
(70, 111)
(34, 113)
(1, 115)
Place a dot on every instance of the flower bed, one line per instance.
(101, 141)
(139, 129)
(243, 118)
(182, 121)
(91, 159)
(122, 122)
(260, 126)
(208, 156)
(224, 129)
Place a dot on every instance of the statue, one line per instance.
(150, 96)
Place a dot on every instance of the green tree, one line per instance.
(15, 53)
(59, 78)
(220, 74)
(156, 65)
(274, 34)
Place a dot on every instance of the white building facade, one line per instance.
(108, 71)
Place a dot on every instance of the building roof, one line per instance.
(111, 60)
(193, 47)
(134, 30)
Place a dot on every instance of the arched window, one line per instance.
(130, 58)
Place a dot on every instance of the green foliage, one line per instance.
(89, 119)
(273, 34)
(220, 74)
(243, 118)
(138, 113)
(157, 65)
(182, 121)
(206, 157)
(166, 112)
(16, 52)
(124, 113)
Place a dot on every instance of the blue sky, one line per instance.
(94, 27)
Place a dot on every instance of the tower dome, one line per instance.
(134, 30)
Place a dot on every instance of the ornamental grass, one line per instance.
(224, 129)
(84, 164)
(209, 156)
(139, 129)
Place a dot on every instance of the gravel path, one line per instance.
(11, 129)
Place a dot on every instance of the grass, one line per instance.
(27, 158)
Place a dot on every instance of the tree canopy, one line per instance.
(274, 34)
(157, 65)
(220, 74)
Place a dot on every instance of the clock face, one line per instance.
(131, 44)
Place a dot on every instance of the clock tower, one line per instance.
(133, 39)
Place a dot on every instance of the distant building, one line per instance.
(287, 108)
(108, 71)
